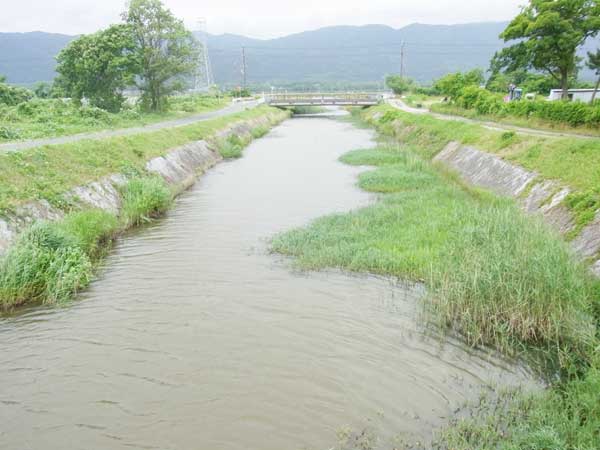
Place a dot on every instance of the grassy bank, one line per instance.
(525, 122)
(51, 261)
(573, 162)
(493, 275)
(40, 118)
(48, 172)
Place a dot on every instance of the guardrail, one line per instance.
(325, 99)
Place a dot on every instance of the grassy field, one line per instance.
(530, 122)
(50, 171)
(573, 162)
(493, 275)
(40, 118)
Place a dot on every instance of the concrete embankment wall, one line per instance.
(536, 196)
(179, 167)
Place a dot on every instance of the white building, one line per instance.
(582, 95)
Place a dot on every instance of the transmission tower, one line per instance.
(204, 77)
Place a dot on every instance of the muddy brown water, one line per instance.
(195, 337)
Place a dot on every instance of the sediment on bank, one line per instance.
(556, 179)
(61, 205)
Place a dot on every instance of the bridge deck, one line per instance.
(324, 99)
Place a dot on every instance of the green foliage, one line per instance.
(398, 84)
(12, 95)
(144, 199)
(453, 83)
(529, 82)
(232, 147)
(594, 64)
(98, 67)
(165, 51)
(90, 230)
(39, 118)
(43, 90)
(44, 265)
(566, 416)
(487, 103)
(548, 33)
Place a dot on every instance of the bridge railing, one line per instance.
(323, 98)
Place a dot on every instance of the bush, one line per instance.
(487, 103)
(12, 95)
(144, 199)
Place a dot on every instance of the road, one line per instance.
(399, 104)
(231, 109)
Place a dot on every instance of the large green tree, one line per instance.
(453, 83)
(594, 64)
(167, 53)
(98, 67)
(547, 35)
(398, 84)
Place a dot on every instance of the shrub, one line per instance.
(12, 95)
(144, 199)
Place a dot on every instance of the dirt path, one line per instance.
(232, 108)
(399, 104)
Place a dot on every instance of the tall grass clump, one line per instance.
(507, 281)
(44, 265)
(143, 199)
(494, 275)
(50, 262)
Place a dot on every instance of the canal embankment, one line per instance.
(62, 204)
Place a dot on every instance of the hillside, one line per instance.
(342, 53)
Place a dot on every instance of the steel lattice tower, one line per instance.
(204, 77)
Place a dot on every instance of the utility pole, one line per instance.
(244, 67)
(402, 60)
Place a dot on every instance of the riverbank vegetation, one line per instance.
(568, 161)
(493, 275)
(47, 173)
(51, 261)
(40, 118)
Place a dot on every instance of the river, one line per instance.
(195, 337)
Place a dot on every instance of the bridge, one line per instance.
(324, 99)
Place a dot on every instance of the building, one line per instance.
(582, 95)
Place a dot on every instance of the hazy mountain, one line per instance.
(26, 58)
(341, 53)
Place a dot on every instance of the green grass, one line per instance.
(48, 172)
(231, 147)
(564, 417)
(572, 162)
(39, 118)
(524, 122)
(495, 276)
(143, 199)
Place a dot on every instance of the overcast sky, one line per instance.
(255, 18)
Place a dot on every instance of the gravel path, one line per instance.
(399, 104)
(232, 108)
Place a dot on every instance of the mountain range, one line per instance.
(340, 54)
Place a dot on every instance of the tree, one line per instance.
(42, 89)
(398, 84)
(594, 64)
(452, 83)
(548, 34)
(98, 67)
(166, 51)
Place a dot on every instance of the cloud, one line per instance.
(259, 18)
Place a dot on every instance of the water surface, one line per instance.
(194, 337)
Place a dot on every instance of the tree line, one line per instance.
(544, 39)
